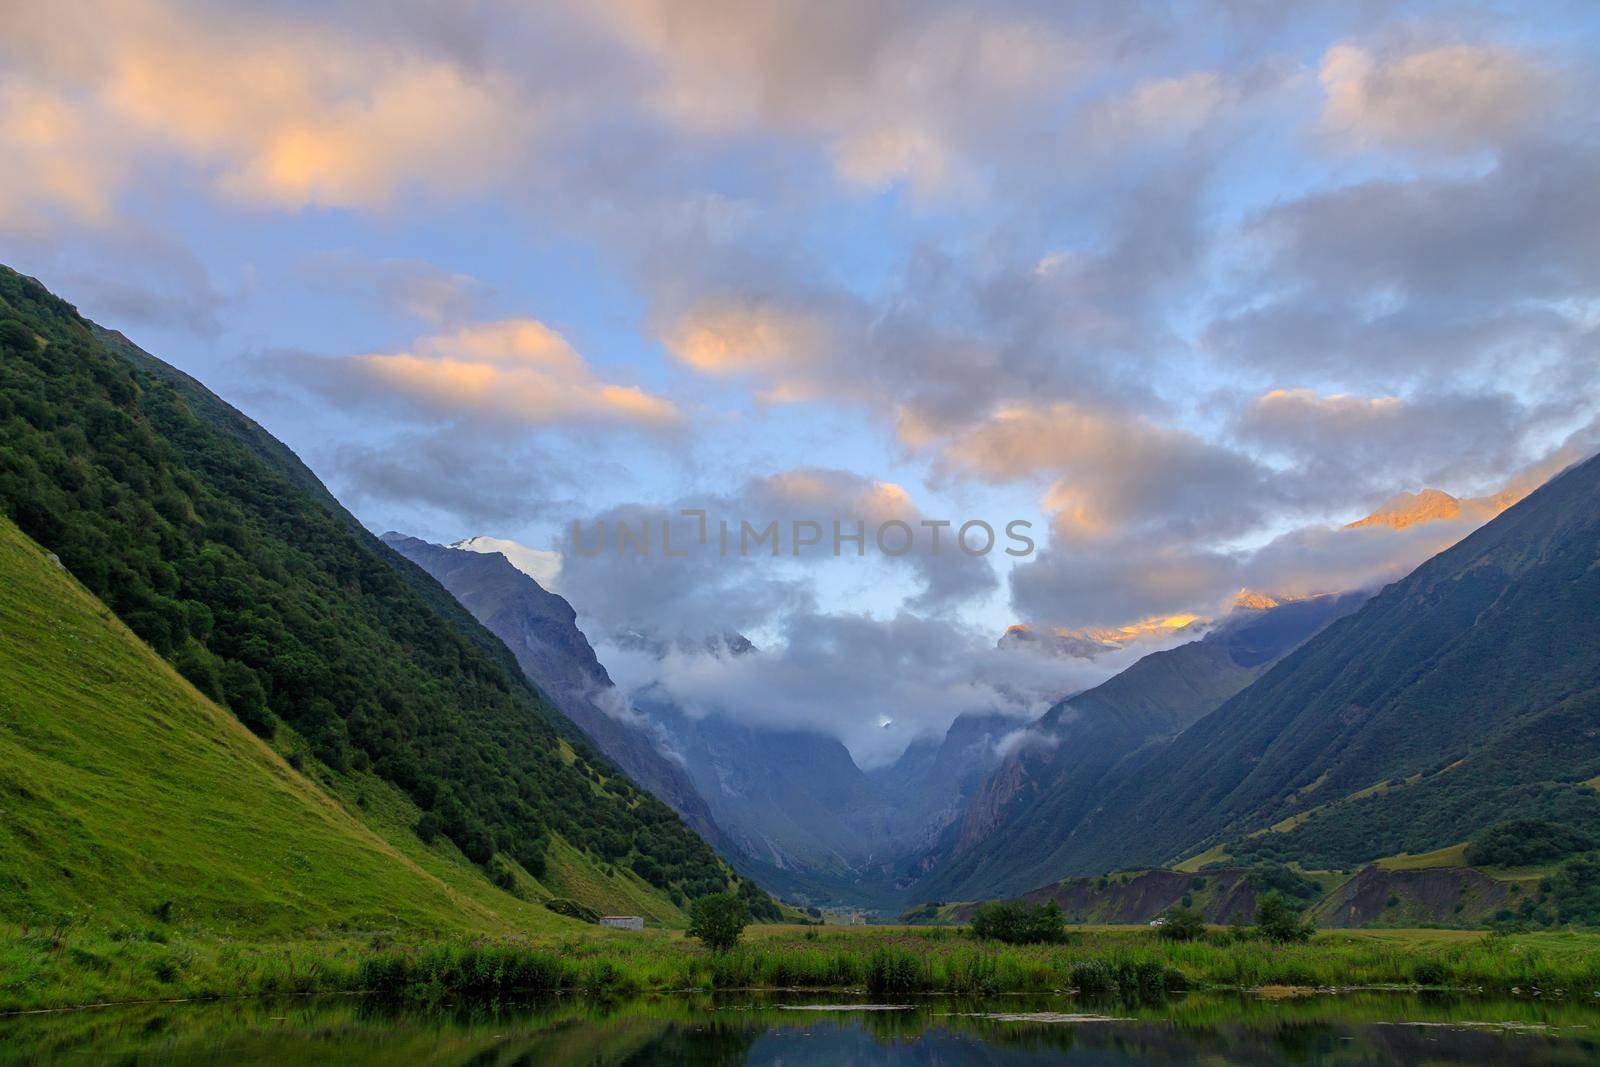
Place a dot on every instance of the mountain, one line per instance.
(1013, 833)
(223, 553)
(541, 630)
(542, 565)
(1431, 505)
(125, 793)
(1089, 643)
(933, 781)
(804, 818)
(1465, 694)
(791, 799)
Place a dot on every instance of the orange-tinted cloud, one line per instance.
(515, 371)
(1108, 471)
(273, 108)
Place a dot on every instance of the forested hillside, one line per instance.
(225, 555)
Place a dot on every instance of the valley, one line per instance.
(968, 532)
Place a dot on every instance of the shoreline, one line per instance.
(85, 969)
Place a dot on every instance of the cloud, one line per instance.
(1081, 248)
(894, 91)
(746, 583)
(58, 158)
(1163, 107)
(845, 675)
(514, 372)
(948, 575)
(1111, 474)
(615, 587)
(949, 342)
(430, 483)
(1348, 447)
(132, 277)
(1428, 281)
(1072, 584)
(411, 286)
(728, 337)
(280, 110)
(1451, 97)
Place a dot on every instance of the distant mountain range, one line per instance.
(1325, 730)
(970, 813)
(791, 806)
(541, 630)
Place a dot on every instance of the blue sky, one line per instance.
(1188, 286)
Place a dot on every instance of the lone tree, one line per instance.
(718, 920)
(1183, 924)
(1277, 920)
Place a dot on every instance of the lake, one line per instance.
(1366, 1028)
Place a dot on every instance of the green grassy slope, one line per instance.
(126, 794)
(223, 553)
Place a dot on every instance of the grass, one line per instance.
(126, 793)
(55, 967)
(1450, 856)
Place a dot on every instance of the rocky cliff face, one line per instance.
(797, 802)
(1435, 896)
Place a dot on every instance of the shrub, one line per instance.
(504, 876)
(1091, 977)
(718, 920)
(1017, 922)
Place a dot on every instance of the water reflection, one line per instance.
(1365, 1029)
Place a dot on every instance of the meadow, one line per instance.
(57, 967)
